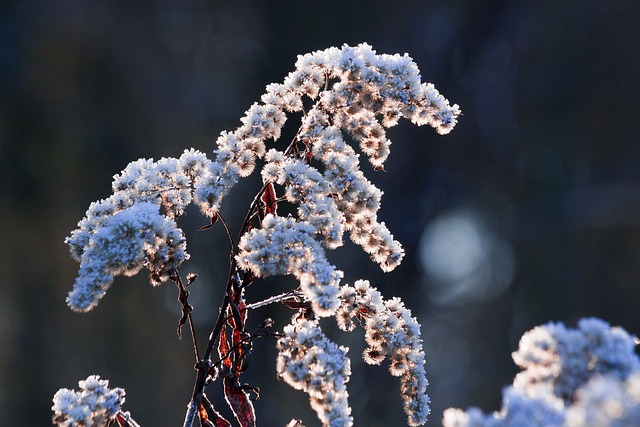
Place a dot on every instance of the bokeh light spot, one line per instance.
(464, 260)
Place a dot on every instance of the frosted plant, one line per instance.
(518, 410)
(584, 377)
(127, 241)
(345, 98)
(94, 405)
(135, 227)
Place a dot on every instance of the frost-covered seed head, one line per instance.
(287, 246)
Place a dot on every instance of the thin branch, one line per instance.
(226, 228)
(191, 414)
(183, 298)
(277, 298)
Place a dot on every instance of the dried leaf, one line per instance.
(269, 199)
(239, 402)
(224, 349)
(209, 416)
(214, 218)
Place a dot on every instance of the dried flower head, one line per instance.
(287, 246)
(391, 332)
(125, 242)
(308, 361)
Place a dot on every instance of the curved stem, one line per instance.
(183, 297)
(228, 231)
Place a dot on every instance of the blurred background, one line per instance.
(528, 212)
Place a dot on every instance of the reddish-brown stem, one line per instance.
(203, 365)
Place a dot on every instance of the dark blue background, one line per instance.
(537, 190)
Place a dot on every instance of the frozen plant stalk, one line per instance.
(346, 98)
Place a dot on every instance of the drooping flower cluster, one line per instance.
(358, 93)
(135, 228)
(309, 361)
(357, 199)
(95, 404)
(589, 376)
(126, 241)
(391, 332)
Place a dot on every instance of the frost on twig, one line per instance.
(584, 377)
